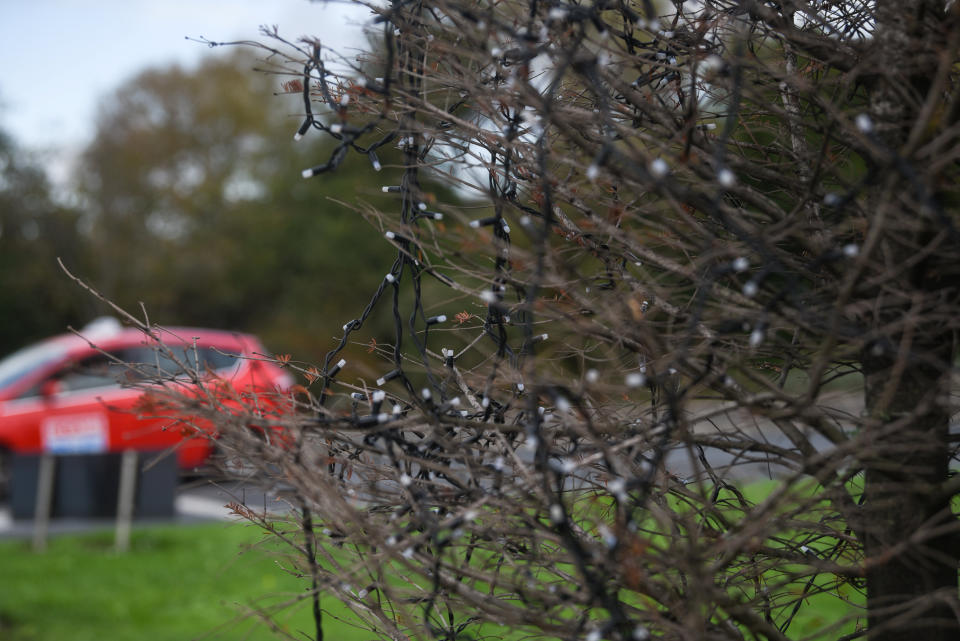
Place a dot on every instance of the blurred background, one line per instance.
(163, 171)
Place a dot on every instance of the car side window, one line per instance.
(98, 370)
(132, 365)
(153, 364)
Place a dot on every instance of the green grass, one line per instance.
(202, 582)
(188, 582)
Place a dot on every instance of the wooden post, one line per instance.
(125, 500)
(44, 501)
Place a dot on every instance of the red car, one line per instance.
(65, 396)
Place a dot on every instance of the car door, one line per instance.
(81, 408)
(95, 402)
(161, 425)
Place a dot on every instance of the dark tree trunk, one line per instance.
(911, 570)
(911, 565)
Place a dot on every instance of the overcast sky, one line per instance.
(59, 57)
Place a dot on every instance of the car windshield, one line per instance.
(27, 360)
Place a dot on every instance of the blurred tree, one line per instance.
(196, 206)
(35, 300)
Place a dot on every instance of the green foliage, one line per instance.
(35, 300)
(190, 200)
(195, 205)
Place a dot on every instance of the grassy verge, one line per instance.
(213, 582)
(193, 582)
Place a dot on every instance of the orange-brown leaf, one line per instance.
(292, 86)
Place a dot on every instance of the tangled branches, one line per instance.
(687, 235)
